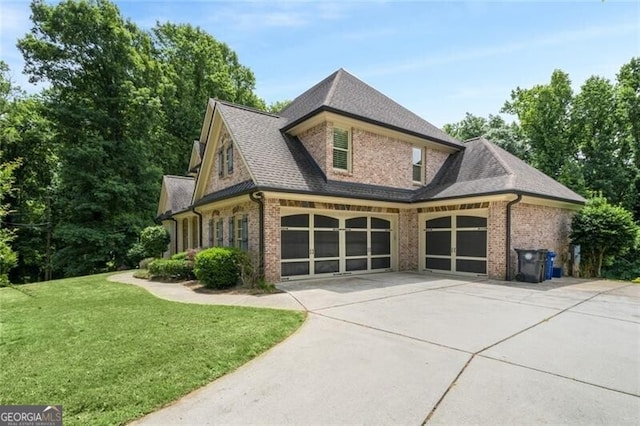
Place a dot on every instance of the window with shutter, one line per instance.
(210, 233)
(244, 235)
(220, 162)
(185, 234)
(232, 232)
(219, 233)
(230, 158)
(341, 149)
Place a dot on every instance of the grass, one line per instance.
(112, 352)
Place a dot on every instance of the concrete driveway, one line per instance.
(404, 348)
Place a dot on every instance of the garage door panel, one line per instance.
(356, 242)
(356, 264)
(471, 222)
(440, 264)
(473, 266)
(326, 243)
(380, 243)
(295, 221)
(377, 223)
(294, 268)
(326, 266)
(321, 221)
(438, 243)
(295, 244)
(440, 222)
(471, 243)
(381, 263)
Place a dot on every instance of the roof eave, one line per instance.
(324, 108)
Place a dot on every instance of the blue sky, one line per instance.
(439, 59)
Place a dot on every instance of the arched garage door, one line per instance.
(319, 244)
(455, 243)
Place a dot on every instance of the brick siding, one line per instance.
(240, 172)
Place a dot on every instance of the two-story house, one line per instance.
(344, 180)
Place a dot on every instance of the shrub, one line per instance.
(169, 269)
(135, 254)
(180, 256)
(218, 267)
(155, 240)
(144, 263)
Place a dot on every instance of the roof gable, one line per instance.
(175, 195)
(344, 94)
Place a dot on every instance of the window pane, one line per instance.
(356, 243)
(471, 222)
(377, 223)
(438, 243)
(441, 222)
(381, 263)
(356, 264)
(230, 158)
(417, 173)
(295, 221)
(441, 264)
(471, 243)
(294, 244)
(356, 222)
(294, 268)
(320, 221)
(340, 159)
(380, 243)
(417, 157)
(326, 266)
(326, 243)
(341, 138)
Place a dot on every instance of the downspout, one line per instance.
(508, 237)
(175, 228)
(258, 197)
(193, 209)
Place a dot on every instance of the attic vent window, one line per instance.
(225, 158)
(341, 149)
(417, 165)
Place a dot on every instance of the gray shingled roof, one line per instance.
(179, 192)
(484, 168)
(343, 93)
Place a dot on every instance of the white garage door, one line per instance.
(455, 243)
(319, 244)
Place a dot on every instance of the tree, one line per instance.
(605, 158)
(196, 67)
(154, 240)
(603, 231)
(628, 111)
(107, 114)
(8, 258)
(277, 106)
(495, 129)
(544, 115)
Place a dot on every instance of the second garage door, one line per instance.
(455, 243)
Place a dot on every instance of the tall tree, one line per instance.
(544, 115)
(605, 157)
(628, 108)
(508, 136)
(107, 113)
(196, 67)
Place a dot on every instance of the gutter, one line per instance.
(193, 209)
(258, 197)
(508, 237)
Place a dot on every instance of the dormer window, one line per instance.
(341, 149)
(225, 158)
(418, 162)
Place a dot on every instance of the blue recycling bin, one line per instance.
(548, 269)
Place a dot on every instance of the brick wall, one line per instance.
(240, 172)
(272, 239)
(433, 162)
(376, 159)
(249, 208)
(408, 234)
(541, 227)
(496, 231)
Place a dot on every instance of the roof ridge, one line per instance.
(246, 108)
(332, 89)
(497, 156)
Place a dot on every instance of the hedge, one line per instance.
(169, 269)
(218, 267)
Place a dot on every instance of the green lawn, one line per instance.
(112, 352)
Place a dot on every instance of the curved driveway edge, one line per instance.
(179, 293)
(406, 348)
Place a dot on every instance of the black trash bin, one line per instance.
(531, 265)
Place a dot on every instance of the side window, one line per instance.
(242, 232)
(220, 163)
(194, 232)
(210, 241)
(232, 232)
(185, 234)
(219, 233)
(229, 158)
(418, 168)
(225, 157)
(341, 149)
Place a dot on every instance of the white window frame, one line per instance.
(225, 158)
(414, 165)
